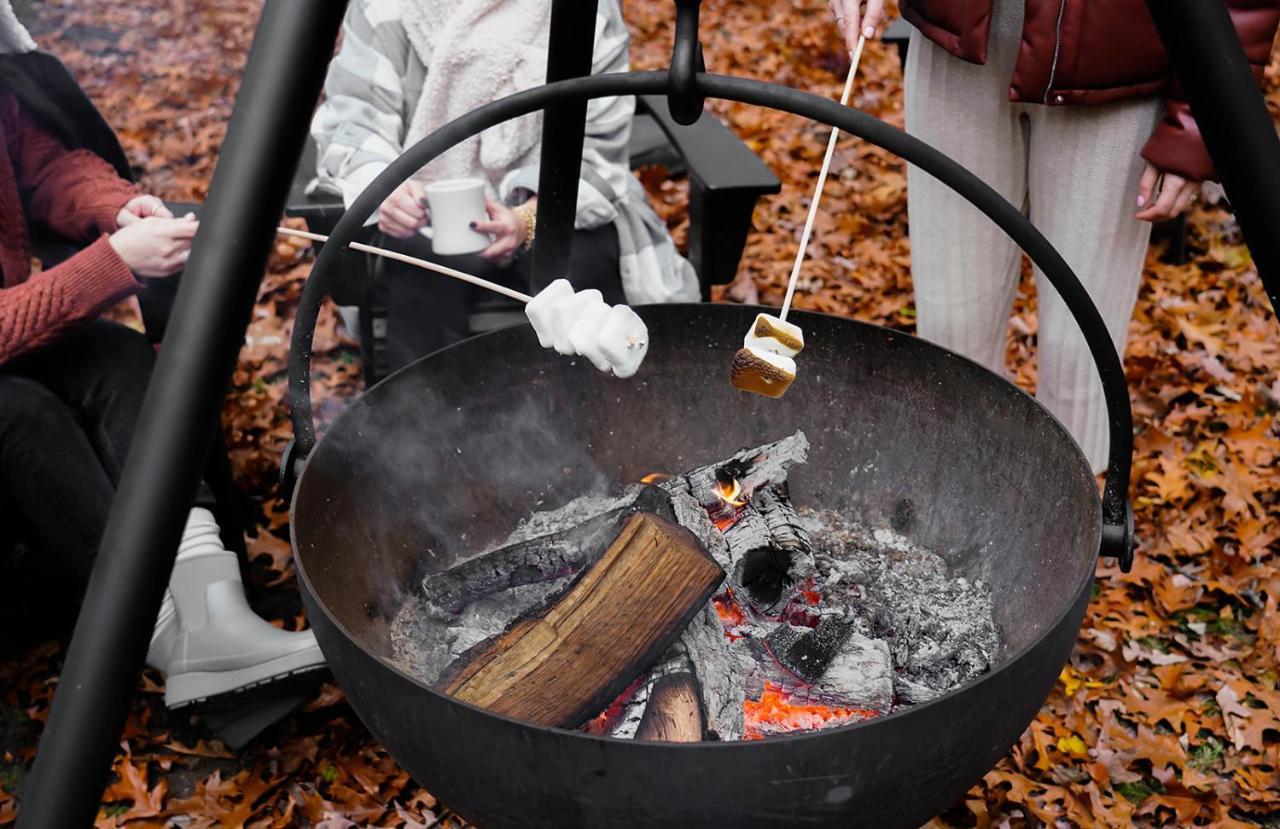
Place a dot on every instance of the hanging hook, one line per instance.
(683, 99)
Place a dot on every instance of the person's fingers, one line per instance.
(872, 19)
(410, 206)
(157, 208)
(181, 229)
(500, 249)
(393, 228)
(500, 229)
(417, 192)
(400, 216)
(1162, 209)
(127, 217)
(1147, 185)
(846, 12)
(1186, 196)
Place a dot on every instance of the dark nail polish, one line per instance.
(473, 225)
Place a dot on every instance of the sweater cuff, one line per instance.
(108, 205)
(98, 276)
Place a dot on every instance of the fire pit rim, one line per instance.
(1008, 661)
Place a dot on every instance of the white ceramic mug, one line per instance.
(456, 203)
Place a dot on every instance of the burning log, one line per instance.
(565, 662)
(764, 549)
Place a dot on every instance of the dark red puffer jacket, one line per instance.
(1093, 51)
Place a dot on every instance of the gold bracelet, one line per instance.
(530, 216)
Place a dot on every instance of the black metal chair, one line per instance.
(898, 33)
(726, 179)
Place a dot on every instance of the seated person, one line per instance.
(71, 388)
(405, 70)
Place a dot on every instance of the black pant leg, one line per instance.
(427, 311)
(53, 475)
(100, 370)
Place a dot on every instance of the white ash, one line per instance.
(860, 676)
(423, 647)
(575, 512)
(940, 628)
(721, 668)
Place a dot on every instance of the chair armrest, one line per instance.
(321, 210)
(717, 159)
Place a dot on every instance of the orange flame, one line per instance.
(654, 478)
(731, 494)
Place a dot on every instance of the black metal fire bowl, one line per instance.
(448, 454)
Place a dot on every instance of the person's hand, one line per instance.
(1162, 196)
(854, 21)
(505, 226)
(155, 246)
(140, 207)
(743, 291)
(404, 211)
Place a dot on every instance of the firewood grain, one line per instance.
(562, 664)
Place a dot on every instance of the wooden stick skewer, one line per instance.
(822, 180)
(415, 261)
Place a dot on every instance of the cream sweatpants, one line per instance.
(1073, 170)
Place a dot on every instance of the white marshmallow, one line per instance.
(567, 313)
(624, 340)
(612, 338)
(585, 334)
(541, 310)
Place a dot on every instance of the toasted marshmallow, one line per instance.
(585, 334)
(761, 371)
(624, 341)
(773, 334)
(541, 310)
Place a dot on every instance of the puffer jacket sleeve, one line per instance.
(1176, 145)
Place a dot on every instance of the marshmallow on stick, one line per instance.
(765, 364)
(613, 338)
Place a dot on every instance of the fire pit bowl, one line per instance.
(448, 454)
(444, 458)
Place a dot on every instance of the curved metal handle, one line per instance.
(1117, 535)
(684, 101)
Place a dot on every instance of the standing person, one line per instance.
(71, 389)
(406, 68)
(1069, 109)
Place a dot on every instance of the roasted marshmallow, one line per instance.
(761, 371)
(773, 334)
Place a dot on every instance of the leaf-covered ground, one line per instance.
(1169, 712)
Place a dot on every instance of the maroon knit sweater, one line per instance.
(77, 195)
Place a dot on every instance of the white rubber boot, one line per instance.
(207, 639)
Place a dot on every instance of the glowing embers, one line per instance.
(777, 712)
